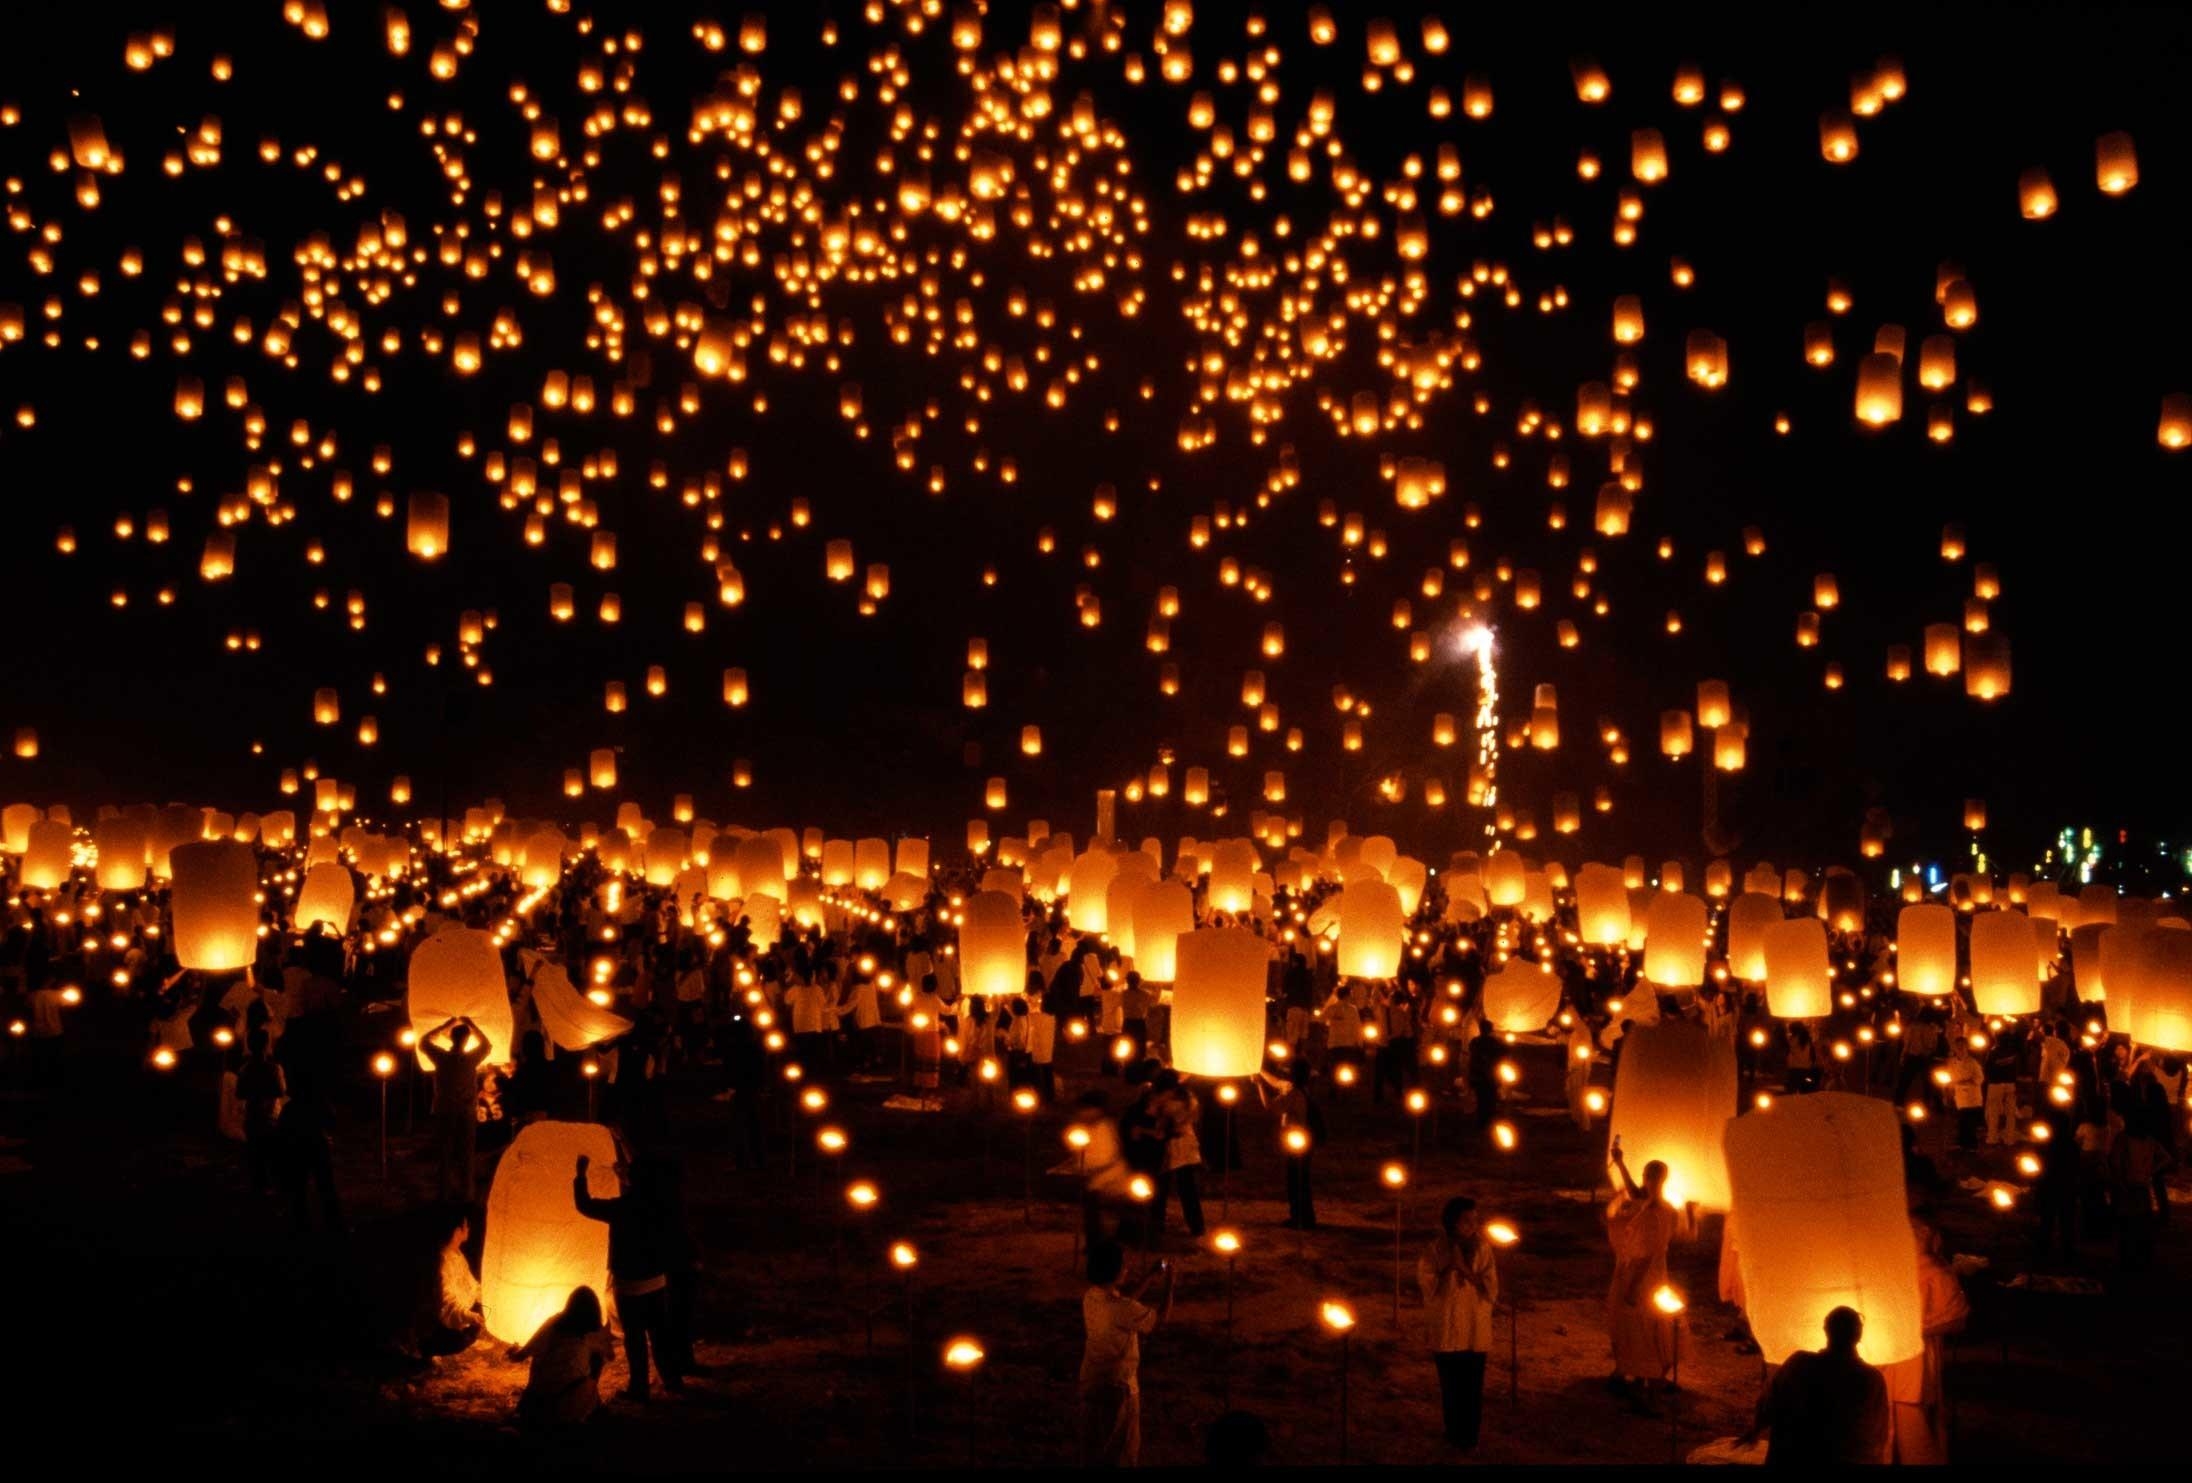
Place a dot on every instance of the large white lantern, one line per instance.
(1820, 1221)
(457, 973)
(1674, 1091)
(213, 901)
(328, 896)
(1674, 941)
(1602, 905)
(1218, 1014)
(537, 1249)
(1925, 950)
(1371, 923)
(993, 946)
(2005, 966)
(1798, 983)
(1520, 998)
(1164, 913)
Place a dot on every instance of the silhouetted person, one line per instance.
(1826, 1406)
(638, 1269)
(456, 1101)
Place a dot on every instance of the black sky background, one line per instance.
(855, 724)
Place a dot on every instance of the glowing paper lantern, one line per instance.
(1218, 1013)
(426, 525)
(537, 1248)
(2162, 1016)
(1820, 1222)
(1798, 985)
(762, 866)
(327, 895)
(2088, 961)
(216, 917)
(1925, 950)
(46, 855)
(871, 863)
(1088, 891)
(1842, 901)
(1504, 879)
(123, 843)
(570, 1019)
(1674, 1093)
(1232, 876)
(15, 826)
(993, 946)
(1674, 941)
(912, 857)
(458, 972)
(2005, 970)
(1521, 999)
(1164, 913)
(1408, 876)
(1371, 925)
(1602, 906)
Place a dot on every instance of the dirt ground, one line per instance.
(163, 1305)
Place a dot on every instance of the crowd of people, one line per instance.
(858, 990)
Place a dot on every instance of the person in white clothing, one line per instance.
(1111, 1358)
(1460, 1288)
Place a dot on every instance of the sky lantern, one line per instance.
(537, 1249)
(458, 972)
(426, 525)
(2115, 163)
(2175, 431)
(1748, 921)
(46, 850)
(601, 768)
(214, 903)
(1371, 927)
(2161, 1017)
(1602, 906)
(1837, 137)
(1675, 736)
(1674, 1094)
(764, 866)
(1519, 999)
(123, 842)
(1798, 985)
(1164, 912)
(1879, 389)
(1674, 942)
(2005, 970)
(2036, 199)
(1925, 950)
(328, 895)
(1218, 1007)
(2088, 963)
(1986, 666)
(1504, 879)
(1820, 1222)
(992, 946)
(1088, 890)
(1944, 649)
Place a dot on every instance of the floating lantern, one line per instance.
(1371, 928)
(2005, 970)
(1218, 1005)
(1925, 950)
(993, 946)
(214, 905)
(426, 525)
(327, 896)
(1520, 999)
(1798, 983)
(1602, 907)
(1674, 941)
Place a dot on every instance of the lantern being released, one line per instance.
(1602, 906)
(1371, 926)
(1925, 950)
(1674, 1092)
(1674, 942)
(215, 905)
(1520, 1000)
(2005, 966)
(327, 896)
(1798, 983)
(1218, 1016)
(537, 1247)
(1164, 913)
(457, 973)
(993, 946)
(1820, 1222)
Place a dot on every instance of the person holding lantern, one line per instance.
(641, 1241)
(1460, 1286)
(456, 1101)
(1111, 1357)
(1826, 1406)
(1642, 1224)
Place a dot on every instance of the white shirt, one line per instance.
(1455, 1316)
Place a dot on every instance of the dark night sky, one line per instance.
(855, 723)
